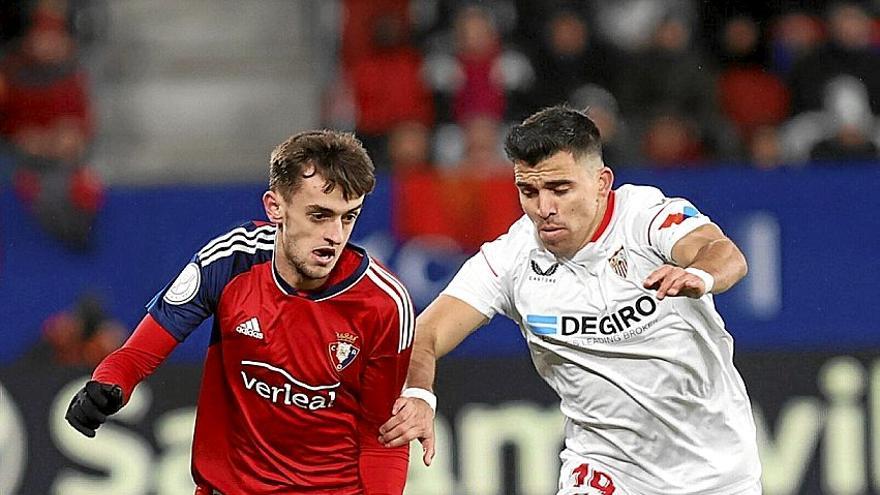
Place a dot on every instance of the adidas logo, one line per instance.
(251, 328)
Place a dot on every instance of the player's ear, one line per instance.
(272, 203)
(606, 180)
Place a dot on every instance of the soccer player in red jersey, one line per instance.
(310, 342)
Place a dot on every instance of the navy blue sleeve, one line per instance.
(192, 297)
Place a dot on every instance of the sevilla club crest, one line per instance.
(618, 262)
(344, 350)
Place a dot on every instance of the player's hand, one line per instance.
(671, 280)
(411, 418)
(91, 405)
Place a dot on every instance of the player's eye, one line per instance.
(559, 191)
(318, 216)
(350, 217)
(529, 193)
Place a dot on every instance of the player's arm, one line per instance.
(382, 470)
(118, 374)
(439, 329)
(705, 261)
(172, 315)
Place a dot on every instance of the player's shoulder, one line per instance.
(250, 239)
(638, 203)
(391, 300)
(639, 195)
(385, 286)
(521, 236)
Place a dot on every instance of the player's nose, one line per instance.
(335, 232)
(546, 204)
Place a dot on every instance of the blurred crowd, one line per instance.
(46, 116)
(81, 335)
(432, 85)
(671, 83)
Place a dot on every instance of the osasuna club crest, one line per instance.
(344, 350)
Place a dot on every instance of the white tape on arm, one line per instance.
(706, 277)
(420, 393)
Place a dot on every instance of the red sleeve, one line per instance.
(383, 470)
(141, 354)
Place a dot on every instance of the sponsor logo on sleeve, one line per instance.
(677, 218)
(185, 286)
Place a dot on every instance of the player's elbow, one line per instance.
(739, 265)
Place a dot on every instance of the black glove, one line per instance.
(91, 405)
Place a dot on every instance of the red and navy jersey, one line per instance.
(294, 383)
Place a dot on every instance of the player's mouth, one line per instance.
(324, 255)
(551, 233)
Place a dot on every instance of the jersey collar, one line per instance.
(592, 250)
(606, 218)
(349, 269)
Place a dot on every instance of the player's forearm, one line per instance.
(724, 261)
(423, 362)
(142, 353)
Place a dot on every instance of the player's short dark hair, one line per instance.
(551, 130)
(339, 157)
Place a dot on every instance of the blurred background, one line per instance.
(131, 132)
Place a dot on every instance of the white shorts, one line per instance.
(582, 476)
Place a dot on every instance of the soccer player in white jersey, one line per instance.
(613, 292)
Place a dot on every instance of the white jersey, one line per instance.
(648, 387)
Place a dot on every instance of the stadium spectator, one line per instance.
(419, 189)
(409, 147)
(749, 95)
(46, 114)
(854, 127)
(848, 51)
(618, 145)
(479, 73)
(43, 79)
(388, 86)
(358, 30)
(672, 140)
(80, 336)
(765, 148)
(611, 289)
(794, 35)
(671, 85)
(478, 51)
(467, 201)
(569, 58)
(311, 339)
(629, 24)
(50, 178)
(845, 128)
(486, 204)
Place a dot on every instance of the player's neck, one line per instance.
(294, 278)
(600, 220)
(291, 275)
